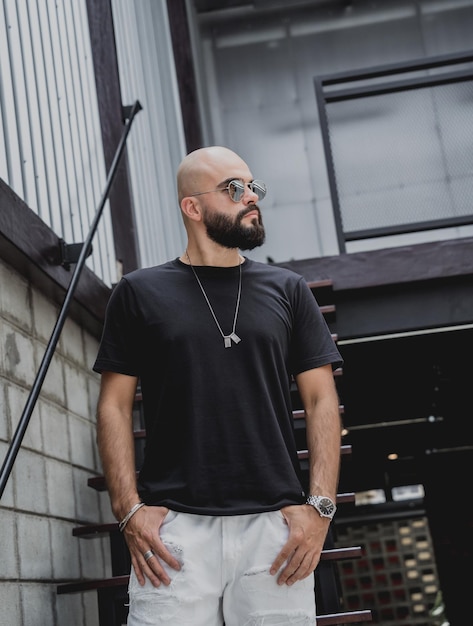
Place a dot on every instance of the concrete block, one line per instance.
(105, 507)
(17, 398)
(29, 477)
(65, 550)
(76, 390)
(8, 542)
(34, 547)
(69, 609)
(53, 386)
(14, 298)
(7, 500)
(60, 488)
(10, 602)
(3, 355)
(82, 436)
(107, 558)
(93, 386)
(18, 361)
(86, 498)
(71, 344)
(91, 346)
(37, 603)
(106, 512)
(4, 413)
(45, 314)
(97, 459)
(91, 558)
(91, 609)
(55, 431)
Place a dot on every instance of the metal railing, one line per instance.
(52, 343)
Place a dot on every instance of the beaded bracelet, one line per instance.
(129, 515)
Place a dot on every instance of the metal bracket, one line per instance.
(127, 109)
(70, 252)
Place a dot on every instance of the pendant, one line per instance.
(227, 340)
(234, 337)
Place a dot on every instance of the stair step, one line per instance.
(91, 585)
(323, 292)
(299, 413)
(338, 554)
(321, 283)
(344, 450)
(328, 309)
(349, 617)
(91, 531)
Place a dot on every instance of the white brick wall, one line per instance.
(47, 493)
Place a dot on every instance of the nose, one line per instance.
(250, 196)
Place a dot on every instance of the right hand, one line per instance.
(142, 534)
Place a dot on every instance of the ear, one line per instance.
(191, 208)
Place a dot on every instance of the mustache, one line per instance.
(251, 207)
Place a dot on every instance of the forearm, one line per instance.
(323, 429)
(115, 440)
(323, 443)
(116, 448)
(307, 529)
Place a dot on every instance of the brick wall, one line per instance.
(47, 493)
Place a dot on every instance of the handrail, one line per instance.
(50, 348)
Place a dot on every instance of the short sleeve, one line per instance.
(119, 346)
(312, 344)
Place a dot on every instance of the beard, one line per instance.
(231, 233)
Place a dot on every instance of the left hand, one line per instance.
(301, 552)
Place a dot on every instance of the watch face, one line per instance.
(326, 506)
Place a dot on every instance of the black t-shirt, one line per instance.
(219, 425)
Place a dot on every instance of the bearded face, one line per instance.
(230, 232)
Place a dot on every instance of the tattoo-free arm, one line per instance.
(307, 530)
(115, 440)
(323, 429)
(117, 451)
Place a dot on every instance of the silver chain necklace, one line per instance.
(227, 339)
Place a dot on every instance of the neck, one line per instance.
(215, 258)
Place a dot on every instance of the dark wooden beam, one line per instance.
(183, 60)
(32, 249)
(102, 36)
(389, 266)
(397, 290)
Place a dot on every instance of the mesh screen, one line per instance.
(403, 157)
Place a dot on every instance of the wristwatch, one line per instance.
(325, 506)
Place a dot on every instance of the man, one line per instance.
(218, 526)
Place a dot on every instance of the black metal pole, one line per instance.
(50, 348)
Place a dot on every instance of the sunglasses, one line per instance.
(236, 189)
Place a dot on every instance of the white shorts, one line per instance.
(224, 577)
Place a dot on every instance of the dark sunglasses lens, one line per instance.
(236, 190)
(259, 188)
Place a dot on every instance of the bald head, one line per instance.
(204, 167)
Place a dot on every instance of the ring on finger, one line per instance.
(148, 555)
